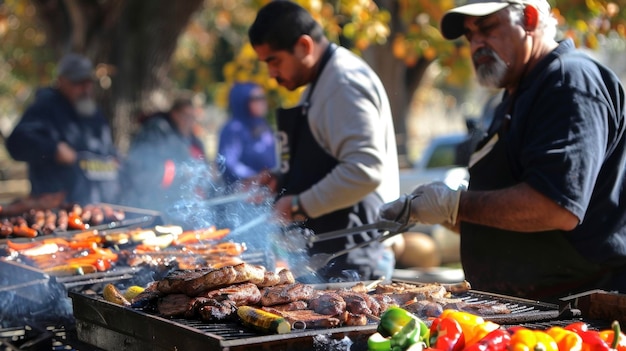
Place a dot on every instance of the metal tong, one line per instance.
(390, 229)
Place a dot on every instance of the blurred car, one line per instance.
(439, 162)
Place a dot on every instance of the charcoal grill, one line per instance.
(112, 327)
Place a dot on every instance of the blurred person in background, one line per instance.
(544, 214)
(338, 150)
(247, 143)
(164, 158)
(66, 140)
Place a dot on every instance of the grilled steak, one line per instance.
(282, 294)
(174, 305)
(359, 303)
(306, 319)
(195, 282)
(240, 294)
(328, 303)
(217, 310)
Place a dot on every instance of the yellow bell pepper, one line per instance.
(566, 340)
(524, 339)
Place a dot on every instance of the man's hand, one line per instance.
(65, 155)
(432, 203)
(263, 179)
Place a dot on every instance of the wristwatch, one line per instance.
(297, 213)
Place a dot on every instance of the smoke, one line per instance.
(40, 302)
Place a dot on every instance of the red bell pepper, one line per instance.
(591, 339)
(609, 337)
(446, 335)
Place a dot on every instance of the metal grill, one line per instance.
(104, 324)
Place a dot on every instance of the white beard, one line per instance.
(85, 106)
(491, 74)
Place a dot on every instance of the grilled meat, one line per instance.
(282, 294)
(306, 319)
(482, 309)
(147, 297)
(424, 308)
(286, 277)
(423, 292)
(240, 294)
(359, 303)
(328, 303)
(292, 306)
(175, 305)
(217, 310)
(384, 301)
(270, 279)
(351, 319)
(195, 282)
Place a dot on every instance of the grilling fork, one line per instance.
(390, 228)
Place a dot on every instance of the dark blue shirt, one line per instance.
(567, 141)
(52, 119)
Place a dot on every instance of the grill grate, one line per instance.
(102, 322)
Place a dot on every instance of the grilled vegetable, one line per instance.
(497, 340)
(263, 320)
(112, 294)
(524, 339)
(446, 335)
(377, 342)
(133, 291)
(70, 269)
(566, 339)
(614, 337)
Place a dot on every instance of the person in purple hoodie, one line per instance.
(246, 144)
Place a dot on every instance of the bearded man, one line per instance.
(544, 213)
(66, 140)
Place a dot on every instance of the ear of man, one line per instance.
(531, 17)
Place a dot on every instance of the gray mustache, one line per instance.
(482, 53)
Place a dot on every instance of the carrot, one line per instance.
(23, 246)
(195, 236)
(23, 230)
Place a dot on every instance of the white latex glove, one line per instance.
(432, 203)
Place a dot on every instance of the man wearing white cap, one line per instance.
(66, 140)
(544, 213)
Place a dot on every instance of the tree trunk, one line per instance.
(400, 81)
(130, 42)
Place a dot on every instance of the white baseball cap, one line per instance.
(452, 20)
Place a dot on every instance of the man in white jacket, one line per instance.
(339, 157)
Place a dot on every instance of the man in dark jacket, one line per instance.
(164, 160)
(66, 140)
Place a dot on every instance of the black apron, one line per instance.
(304, 163)
(541, 265)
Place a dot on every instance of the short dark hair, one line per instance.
(280, 23)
